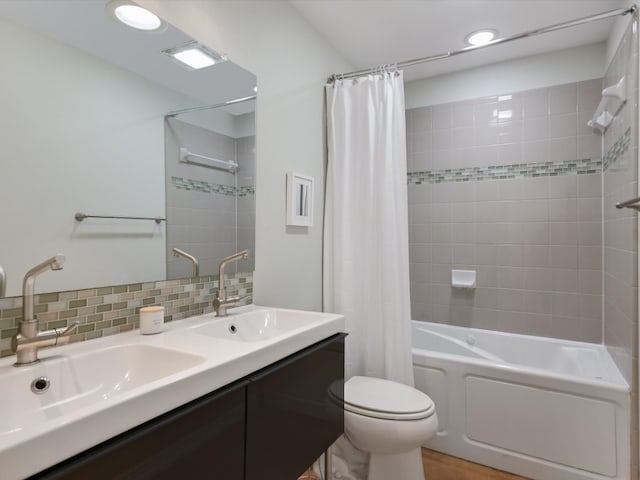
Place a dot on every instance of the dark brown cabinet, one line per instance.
(294, 411)
(203, 439)
(270, 425)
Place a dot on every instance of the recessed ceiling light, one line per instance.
(194, 56)
(481, 37)
(135, 16)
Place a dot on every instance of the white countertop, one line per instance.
(33, 444)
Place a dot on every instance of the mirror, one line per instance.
(210, 202)
(93, 121)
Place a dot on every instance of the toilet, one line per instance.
(390, 421)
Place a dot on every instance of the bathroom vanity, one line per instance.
(269, 424)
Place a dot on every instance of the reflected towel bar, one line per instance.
(633, 203)
(227, 165)
(81, 216)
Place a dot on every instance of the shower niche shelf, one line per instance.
(613, 99)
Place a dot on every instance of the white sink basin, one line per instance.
(101, 388)
(74, 382)
(258, 325)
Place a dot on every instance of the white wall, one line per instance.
(537, 71)
(224, 123)
(292, 62)
(245, 125)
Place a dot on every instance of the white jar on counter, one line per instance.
(151, 320)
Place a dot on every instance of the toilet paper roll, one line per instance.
(151, 320)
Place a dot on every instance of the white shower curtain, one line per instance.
(366, 246)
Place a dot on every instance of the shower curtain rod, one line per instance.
(206, 107)
(497, 41)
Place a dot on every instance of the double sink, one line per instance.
(84, 393)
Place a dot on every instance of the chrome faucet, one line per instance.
(181, 253)
(29, 340)
(221, 302)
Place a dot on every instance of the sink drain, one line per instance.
(40, 385)
(233, 329)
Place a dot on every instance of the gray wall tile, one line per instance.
(535, 241)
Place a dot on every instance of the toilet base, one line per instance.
(405, 466)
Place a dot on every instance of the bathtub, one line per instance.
(542, 408)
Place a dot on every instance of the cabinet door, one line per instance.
(292, 416)
(201, 440)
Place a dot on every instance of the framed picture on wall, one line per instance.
(299, 200)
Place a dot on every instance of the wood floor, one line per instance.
(438, 466)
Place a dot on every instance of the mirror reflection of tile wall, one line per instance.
(246, 201)
(205, 205)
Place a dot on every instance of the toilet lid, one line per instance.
(378, 398)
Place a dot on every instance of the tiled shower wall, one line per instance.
(620, 183)
(621, 226)
(110, 310)
(509, 186)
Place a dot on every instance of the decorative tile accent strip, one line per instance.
(617, 150)
(246, 191)
(206, 187)
(111, 310)
(502, 172)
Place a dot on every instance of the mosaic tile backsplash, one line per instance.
(110, 310)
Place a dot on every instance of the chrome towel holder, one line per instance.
(633, 203)
(80, 216)
(226, 165)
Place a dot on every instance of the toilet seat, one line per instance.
(385, 399)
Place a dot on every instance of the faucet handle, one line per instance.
(235, 300)
(67, 331)
(62, 338)
(240, 298)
